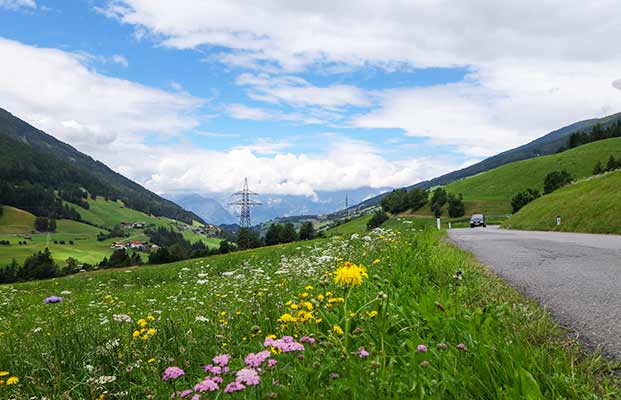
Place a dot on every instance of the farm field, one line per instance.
(592, 205)
(17, 226)
(421, 319)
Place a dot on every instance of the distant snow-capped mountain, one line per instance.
(214, 208)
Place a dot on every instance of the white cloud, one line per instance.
(120, 59)
(61, 94)
(346, 165)
(16, 4)
(423, 33)
(241, 111)
(535, 66)
(291, 90)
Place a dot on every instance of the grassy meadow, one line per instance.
(395, 313)
(601, 193)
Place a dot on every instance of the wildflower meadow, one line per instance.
(391, 313)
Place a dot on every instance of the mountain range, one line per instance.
(37, 171)
(215, 209)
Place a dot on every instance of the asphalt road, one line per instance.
(577, 276)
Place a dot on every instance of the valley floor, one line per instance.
(421, 319)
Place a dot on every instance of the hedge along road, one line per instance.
(576, 275)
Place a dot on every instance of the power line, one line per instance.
(245, 202)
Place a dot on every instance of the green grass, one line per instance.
(210, 242)
(14, 220)
(109, 213)
(592, 205)
(356, 225)
(86, 248)
(494, 189)
(77, 350)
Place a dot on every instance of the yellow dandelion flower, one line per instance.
(329, 294)
(336, 300)
(1, 382)
(304, 295)
(286, 318)
(136, 334)
(320, 297)
(307, 304)
(12, 380)
(151, 360)
(150, 318)
(271, 336)
(337, 329)
(142, 323)
(309, 287)
(152, 331)
(376, 261)
(372, 314)
(294, 306)
(4, 373)
(350, 275)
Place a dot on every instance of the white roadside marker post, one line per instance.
(438, 223)
(449, 224)
(558, 220)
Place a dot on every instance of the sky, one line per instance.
(299, 96)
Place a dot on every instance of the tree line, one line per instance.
(401, 200)
(597, 132)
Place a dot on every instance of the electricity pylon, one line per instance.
(245, 202)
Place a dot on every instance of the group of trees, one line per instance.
(44, 224)
(37, 200)
(121, 258)
(456, 207)
(596, 133)
(400, 200)
(280, 233)
(553, 181)
(38, 266)
(611, 165)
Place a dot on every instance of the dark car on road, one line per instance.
(477, 220)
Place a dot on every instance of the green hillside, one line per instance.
(494, 189)
(592, 205)
(109, 213)
(14, 220)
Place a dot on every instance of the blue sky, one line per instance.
(187, 96)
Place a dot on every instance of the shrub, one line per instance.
(523, 198)
(556, 180)
(377, 220)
